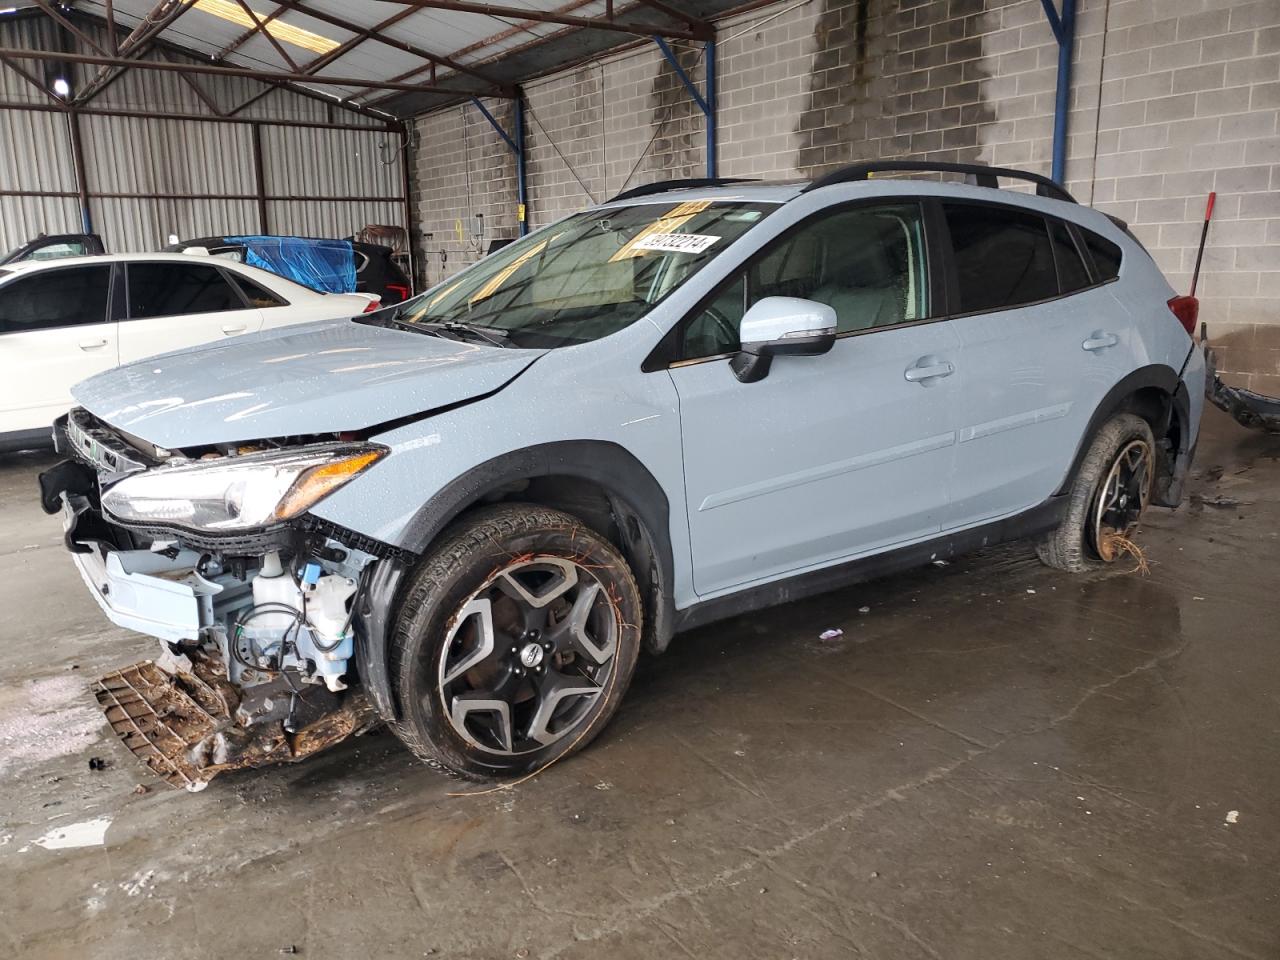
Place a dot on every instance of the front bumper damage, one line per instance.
(226, 691)
(187, 728)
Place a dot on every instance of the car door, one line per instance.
(1041, 345)
(56, 329)
(174, 304)
(832, 456)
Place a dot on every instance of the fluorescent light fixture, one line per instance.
(61, 87)
(234, 13)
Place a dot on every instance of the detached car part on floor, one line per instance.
(466, 514)
(1254, 410)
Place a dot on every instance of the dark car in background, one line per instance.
(331, 266)
(55, 246)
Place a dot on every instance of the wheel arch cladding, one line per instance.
(598, 481)
(1154, 393)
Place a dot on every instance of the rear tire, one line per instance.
(515, 642)
(1110, 491)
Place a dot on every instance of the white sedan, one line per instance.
(64, 320)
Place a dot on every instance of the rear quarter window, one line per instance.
(1106, 255)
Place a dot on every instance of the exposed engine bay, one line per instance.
(253, 609)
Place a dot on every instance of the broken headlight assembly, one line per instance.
(235, 494)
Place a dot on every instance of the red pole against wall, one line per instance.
(1204, 235)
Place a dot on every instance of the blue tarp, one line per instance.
(327, 265)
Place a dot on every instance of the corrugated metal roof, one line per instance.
(505, 49)
(150, 176)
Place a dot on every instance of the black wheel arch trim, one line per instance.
(633, 494)
(1158, 375)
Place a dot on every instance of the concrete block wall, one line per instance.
(1170, 99)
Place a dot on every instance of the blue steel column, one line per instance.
(1064, 31)
(516, 146)
(707, 104)
(522, 192)
(712, 139)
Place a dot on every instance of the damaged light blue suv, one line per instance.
(466, 514)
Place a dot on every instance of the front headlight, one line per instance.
(238, 493)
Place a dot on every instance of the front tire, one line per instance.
(1110, 491)
(515, 642)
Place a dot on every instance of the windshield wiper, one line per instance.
(490, 335)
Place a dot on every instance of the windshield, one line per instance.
(584, 278)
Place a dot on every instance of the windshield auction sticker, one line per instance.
(675, 242)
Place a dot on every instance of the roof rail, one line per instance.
(662, 186)
(983, 175)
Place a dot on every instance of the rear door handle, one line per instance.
(929, 369)
(87, 345)
(230, 330)
(1100, 340)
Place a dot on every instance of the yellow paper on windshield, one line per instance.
(669, 223)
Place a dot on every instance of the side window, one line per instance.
(1072, 274)
(55, 298)
(255, 293)
(173, 289)
(1105, 254)
(72, 248)
(1002, 256)
(866, 262)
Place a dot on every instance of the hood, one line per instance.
(312, 378)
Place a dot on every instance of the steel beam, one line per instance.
(197, 90)
(706, 103)
(118, 195)
(1064, 31)
(198, 117)
(246, 72)
(568, 20)
(260, 25)
(248, 35)
(58, 17)
(31, 79)
(348, 45)
(441, 59)
(696, 23)
(82, 179)
(135, 45)
(516, 146)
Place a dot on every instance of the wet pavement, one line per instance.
(994, 760)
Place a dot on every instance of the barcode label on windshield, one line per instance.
(675, 242)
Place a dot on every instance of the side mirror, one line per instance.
(782, 325)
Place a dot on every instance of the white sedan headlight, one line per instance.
(238, 493)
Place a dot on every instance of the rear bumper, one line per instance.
(1247, 408)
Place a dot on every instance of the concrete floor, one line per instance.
(996, 760)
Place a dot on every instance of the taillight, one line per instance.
(1187, 310)
(399, 289)
(373, 305)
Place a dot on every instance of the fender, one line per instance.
(637, 501)
(1157, 375)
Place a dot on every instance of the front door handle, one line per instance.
(230, 330)
(1100, 340)
(927, 368)
(88, 345)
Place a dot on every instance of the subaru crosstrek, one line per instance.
(466, 515)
